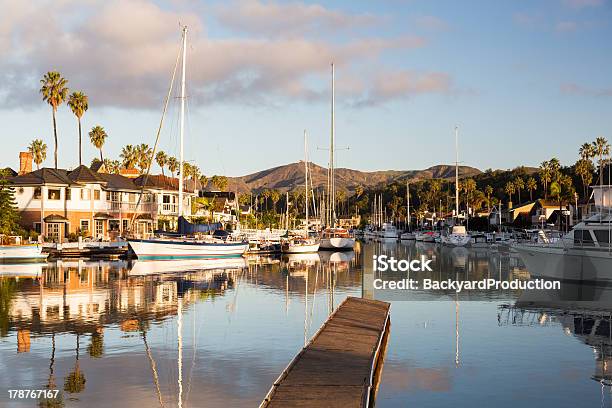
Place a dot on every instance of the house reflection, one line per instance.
(80, 296)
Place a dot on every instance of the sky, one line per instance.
(523, 80)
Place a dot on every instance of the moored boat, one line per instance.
(12, 250)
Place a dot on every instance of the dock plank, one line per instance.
(337, 366)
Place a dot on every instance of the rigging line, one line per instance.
(161, 122)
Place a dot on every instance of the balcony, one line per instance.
(123, 207)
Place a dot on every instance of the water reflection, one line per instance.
(156, 310)
(219, 333)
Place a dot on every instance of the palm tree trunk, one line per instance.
(101, 159)
(80, 144)
(55, 135)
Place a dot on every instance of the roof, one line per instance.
(45, 175)
(118, 182)
(96, 165)
(83, 174)
(9, 171)
(55, 218)
(166, 183)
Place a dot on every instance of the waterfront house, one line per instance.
(60, 203)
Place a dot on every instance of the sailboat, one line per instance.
(458, 236)
(334, 237)
(186, 247)
(301, 244)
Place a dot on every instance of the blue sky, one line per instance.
(525, 81)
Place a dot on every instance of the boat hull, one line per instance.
(337, 244)
(300, 249)
(166, 249)
(21, 253)
(590, 265)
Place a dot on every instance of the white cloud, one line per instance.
(121, 54)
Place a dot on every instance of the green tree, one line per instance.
(97, 136)
(488, 191)
(38, 149)
(358, 191)
(532, 184)
(79, 103)
(144, 156)
(545, 176)
(509, 189)
(173, 165)
(519, 184)
(220, 182)
(9, 216)
(129, 157)
(584, 169)
(162, 159)
(586, 151)
(601, 148)
(54, 90)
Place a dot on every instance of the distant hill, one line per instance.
(291, 176)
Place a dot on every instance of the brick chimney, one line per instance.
(25, 162)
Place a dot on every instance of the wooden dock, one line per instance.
(341, 364)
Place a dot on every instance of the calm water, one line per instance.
(218, 334)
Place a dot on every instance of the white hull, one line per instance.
(337, 243)
(22, 269)
(408, 236)
(459, 240)
(151, 249)
(556, 262)
(21, 253)
(300, 248)
(190, 265)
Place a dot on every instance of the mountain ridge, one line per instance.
(289, 177)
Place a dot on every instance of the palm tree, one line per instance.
(584, 169)
(38, 149)
(54, 91)
(75, 381)
(358, 191)
(586, 151)
(545, 176)
(78, 103)
(601, 148)
(532, 184)
(173, 165)
(220, 183)
(144, 156)
(128, 156)
(97, 136)
(203, 180)
(519, 184)
(162, 159)
(488, 192)
(510, 189)
(112, 166)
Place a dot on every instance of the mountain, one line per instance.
(291, 177)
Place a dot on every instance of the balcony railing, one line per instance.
(117, 206)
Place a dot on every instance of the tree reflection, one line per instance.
(75, 381)
(7, 291)
(96, 344)
(51, 402)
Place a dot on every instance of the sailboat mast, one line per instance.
(306, 178)
(180, 182)
(457, 171)
(331, 149)
(408, 202)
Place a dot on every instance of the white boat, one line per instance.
(160, 267)
(407, 236)
(389, 231)
(183, 247)
(15, 251)
(334, 237)
(338, 239)
(583, 254)
(426, 236)
(300, 245)
(457, 237)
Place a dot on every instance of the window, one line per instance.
(37, 193)
(53, 194)
(166, 199)
(68, 194)
(84, 194)
(97, 195)
(84, 226)
(53, 230)
(583, 237)
(126, 224)
(37, 227)
(113, 225)
(132, 197)
(603, 237)
(115, 196)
